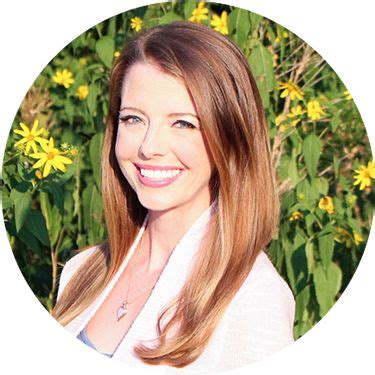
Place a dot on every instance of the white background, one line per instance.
(32, 33)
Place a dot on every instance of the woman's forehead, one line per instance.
(147, 85)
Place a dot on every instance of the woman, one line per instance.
(190, 205)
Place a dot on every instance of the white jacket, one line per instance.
(257, 323)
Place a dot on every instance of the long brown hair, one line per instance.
(220, 82)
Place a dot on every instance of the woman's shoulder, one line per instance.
(72, 265)
(265, 295)
(264, 280)
(260, 319)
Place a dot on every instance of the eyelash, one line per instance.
(126, 118)
(186, 124)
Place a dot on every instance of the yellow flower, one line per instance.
(63, 78)
(64, 146)
(326, 204)
(348, 95)
(82, 92)
(351, 199)
(51, 157)
(199, 13)
(357, 238)
(343, 236)
(275, 57)
(38, 174)
(296, 215)
(73, 152)
(220, 24)
(30, 137)
(136, 23)
(364, 175)
(295, 112)
(280, 119)
(314, 110)
(116, 54)
(290, 89)
(83, 61)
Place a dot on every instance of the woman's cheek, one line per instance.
(124, 147)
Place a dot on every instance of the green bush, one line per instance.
(51, 177)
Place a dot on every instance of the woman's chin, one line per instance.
(156, 203)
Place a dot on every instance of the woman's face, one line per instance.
(160, 147)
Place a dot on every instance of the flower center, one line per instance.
(366, 174)
(50, 155)
(30, 137)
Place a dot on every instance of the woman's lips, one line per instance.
(157, 181)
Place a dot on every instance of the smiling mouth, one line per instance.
(159, 173)
(157, 177)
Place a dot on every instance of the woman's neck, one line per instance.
(163, 232)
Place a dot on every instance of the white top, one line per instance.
(258, 321)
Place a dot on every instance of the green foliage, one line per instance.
(317, 140)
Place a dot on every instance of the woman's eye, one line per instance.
(184, 124)
(130, 120)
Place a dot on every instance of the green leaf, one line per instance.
(22, 206)
(261, 64)
(58, 196)
(95, 156)
(327, 284)
(92, 213)
(91, 99)
(296, 262)
(6, 201)
(242, 26)
(169, 17)
(29, 240)
(105, 48)
(69, 110)
(322, 185)
(309, 250)
(189, 6)
(302, 312)
(255, 20)
(36, 224)
(326, 247)
(309, 190)
(293, 172)
(55, 220)
(336, 166)
(311, 153)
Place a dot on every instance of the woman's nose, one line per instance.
(154, 143)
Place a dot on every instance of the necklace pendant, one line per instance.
(122, 310)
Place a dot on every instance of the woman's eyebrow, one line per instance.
(134, 109)
(173, 114)
(183, 114)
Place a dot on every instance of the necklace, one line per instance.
(122, 310)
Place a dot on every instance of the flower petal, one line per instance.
(63, 159)
(25, 128)
(38, 155)
(35, 127)
(47, 168)
(39, 163)
(23, 140)
(28, 145)
(20, 132)
(57, 164)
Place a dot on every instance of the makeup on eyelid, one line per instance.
(187, 124)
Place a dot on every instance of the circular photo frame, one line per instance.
(319, 146)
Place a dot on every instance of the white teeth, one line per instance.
(158, 174)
